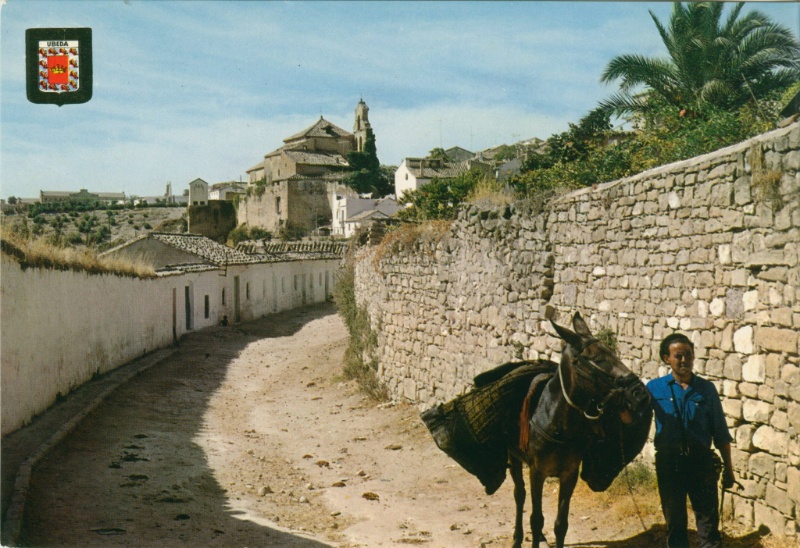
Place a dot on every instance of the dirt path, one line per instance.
(246, 436)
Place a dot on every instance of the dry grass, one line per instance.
(491, 193)
(39, 253)
(766, 183)
(428, 233)
(634, 497)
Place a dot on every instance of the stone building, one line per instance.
(294, 185)
(83, 195)
(198, 192)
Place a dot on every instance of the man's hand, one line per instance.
(728, 479)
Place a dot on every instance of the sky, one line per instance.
(200, 88)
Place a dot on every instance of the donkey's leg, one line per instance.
(537, 517)
(519, 498)
(566, 486)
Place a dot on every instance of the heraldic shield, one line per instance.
(59, 65)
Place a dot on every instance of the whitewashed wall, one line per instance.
(59, 328)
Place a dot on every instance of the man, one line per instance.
(689, 417)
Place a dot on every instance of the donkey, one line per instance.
(590, 383)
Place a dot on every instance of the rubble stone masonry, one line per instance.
(708, 246)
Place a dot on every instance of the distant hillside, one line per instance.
(100, 229)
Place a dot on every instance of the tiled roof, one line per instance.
(321, 128)
(259, 165)
(189, 267)
(293, 250)
(425, 168)
(233, 184)
(205, 248)
(317, 158)
(367, 215)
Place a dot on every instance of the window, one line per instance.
(295, 282)
(207, 307)
(278, 205)
(247, 291)
(223, 296)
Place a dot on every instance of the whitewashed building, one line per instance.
(351, 213)
(414, 173)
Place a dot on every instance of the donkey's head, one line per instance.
(598, 379)
(610, 393)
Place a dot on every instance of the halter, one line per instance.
(619, 388)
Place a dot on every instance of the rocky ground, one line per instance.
(247, 436)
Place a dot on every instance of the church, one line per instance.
(293, 187)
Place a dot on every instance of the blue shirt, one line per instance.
(698, 408)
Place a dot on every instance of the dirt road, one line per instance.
(247, 436)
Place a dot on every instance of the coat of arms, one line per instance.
(59, 65)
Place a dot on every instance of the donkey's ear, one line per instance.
(580, 327)
(572, 338)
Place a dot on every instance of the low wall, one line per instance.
(60, 328)
(709, 246)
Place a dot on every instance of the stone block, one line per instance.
(764, 515)
(750, 300)
(752, 489)
(748, 390)
(793, 483)
(793, 415)
(779, 500)
(768, 439)
(779, 421)
(766, 393)
(776, 339)
(756, 411)
(717, 307)
(762, 465)
(743, 511)
(743, 341)
(741, 191)
(733, 367)
(744, 437)
(754, 369)
(732, 408)
(788, 373)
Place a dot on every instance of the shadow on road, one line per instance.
(133, 473)
(657, 534)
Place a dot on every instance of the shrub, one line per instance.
(238, 234)
(258, 233)
(363, 340)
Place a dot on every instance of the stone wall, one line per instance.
(708, 246)
(304, 204)
(213, 220)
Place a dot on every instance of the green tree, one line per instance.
(438, 153)
(440, 198)
(712, 63)
(366, 176)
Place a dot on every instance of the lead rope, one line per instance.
(628, 485)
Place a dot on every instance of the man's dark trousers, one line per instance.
(681, 475)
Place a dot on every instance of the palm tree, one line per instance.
(711, 63)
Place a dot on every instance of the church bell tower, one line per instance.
(362, 128)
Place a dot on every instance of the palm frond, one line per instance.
(621, 104)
